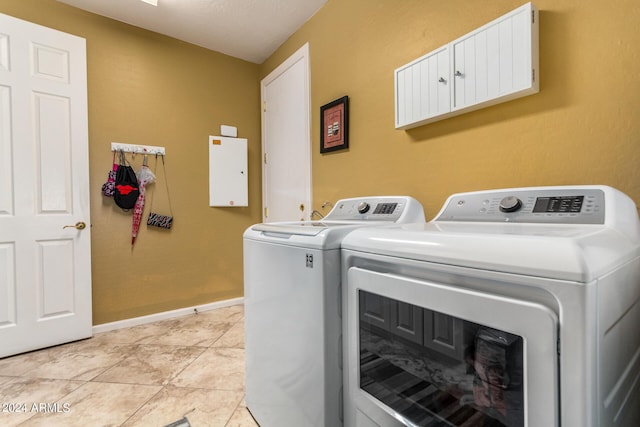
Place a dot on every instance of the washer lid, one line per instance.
(303, 228)
(346, 215)
(579, 253)
(306, 234)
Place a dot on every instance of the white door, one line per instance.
(286, 140)
(45, 269)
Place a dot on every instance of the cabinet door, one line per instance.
(374, 309)
(407, 321)
(497, 61)
(443, 333)
(423, 88)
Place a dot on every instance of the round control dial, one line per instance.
(510, 204)
(363, 207)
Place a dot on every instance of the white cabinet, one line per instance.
(422, 87)
(495, 63)
(228, 171)
(496, 60)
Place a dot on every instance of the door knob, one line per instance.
(78, 226)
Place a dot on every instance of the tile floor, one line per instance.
(148, 375)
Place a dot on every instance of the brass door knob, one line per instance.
(78, 226)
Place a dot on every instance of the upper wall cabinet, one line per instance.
(495, 63)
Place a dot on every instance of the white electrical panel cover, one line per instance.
(228, 184)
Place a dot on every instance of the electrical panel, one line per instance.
(228, 173)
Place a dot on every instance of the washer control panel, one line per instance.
(384, 208)
(560, 205)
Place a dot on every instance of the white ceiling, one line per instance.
(247, 29)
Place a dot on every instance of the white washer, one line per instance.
(516, 307)
(292, 310)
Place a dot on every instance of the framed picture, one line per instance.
(334, 125)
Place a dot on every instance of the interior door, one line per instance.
(286, 140)
(45, 268)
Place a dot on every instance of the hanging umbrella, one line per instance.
(145, 176)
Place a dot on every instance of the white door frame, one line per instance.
(301, 55)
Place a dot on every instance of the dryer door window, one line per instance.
(438, 370)
(422, 353)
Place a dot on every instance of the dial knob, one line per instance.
(363, 207)
(510, 204)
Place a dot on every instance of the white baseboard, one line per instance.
(127, 323)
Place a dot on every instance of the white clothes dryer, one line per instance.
(292, 310)
(516, 307)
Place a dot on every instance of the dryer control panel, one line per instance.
(561, 205)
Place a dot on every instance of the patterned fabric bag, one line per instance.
(155, 219)
(108, 188)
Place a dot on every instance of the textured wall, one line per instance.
(582, 128)
(148, 89)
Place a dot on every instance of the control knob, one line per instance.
(363, 207)
(510, 204)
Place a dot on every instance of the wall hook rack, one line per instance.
(138, 149)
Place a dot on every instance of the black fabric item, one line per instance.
(126, 187)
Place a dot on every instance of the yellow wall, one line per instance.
(582, 128)
(145, 88)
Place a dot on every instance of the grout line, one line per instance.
(204, 349)
(226, 423)
(143, 405)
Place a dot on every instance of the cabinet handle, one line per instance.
(458, 74)
(442, 80)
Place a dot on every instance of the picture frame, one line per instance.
(334, 125)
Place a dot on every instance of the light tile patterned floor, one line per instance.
(149, 375)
